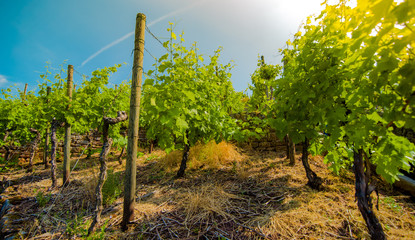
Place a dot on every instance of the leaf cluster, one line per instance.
(348, 82)
(187, 99)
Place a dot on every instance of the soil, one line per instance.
(260, 197)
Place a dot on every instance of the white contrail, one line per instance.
(132, 33)
(106, 47)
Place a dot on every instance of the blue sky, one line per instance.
(92, 34)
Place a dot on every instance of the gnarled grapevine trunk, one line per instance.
(151, 149)
(7, 148)
(7, 153)
(288, 146)
(33, 148)
(121, 116)
(6, 134)
(314, 181)
(182, 168)
(120, 157)
(124, 134)
(291, 151)
(364, 201)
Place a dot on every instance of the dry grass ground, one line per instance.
(226, 194)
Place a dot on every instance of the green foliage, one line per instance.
(17, 114)
(120, 141)
(12, 163)
(252, 120)
(90, 102)
(112, 188)
(251, 126)
(350, 76)
(78, 227)
(391, 203)
(150, 158)
(187, 100)
(263, 86)
(43, 199)
(101, 101)
(100, 234)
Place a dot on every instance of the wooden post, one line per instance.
(55, 124)
(131, 167)
(289, 142)
(25, 91)
(263, 64)
(45, 150)
(67, 140)
(53, 128)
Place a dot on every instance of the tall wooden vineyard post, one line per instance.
(131, 165)
(46, 149)
(266, 87)
(289, 142)
(67, 140)
(24, 93)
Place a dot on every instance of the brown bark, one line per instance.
(6, 134)
(151, 149)
(288, 146)
(46, 149)
(121, 116)
(364, 201)
(182, 168)
(133, 125)
(314, 181)
(34, 145)
(24, 92)
(120, 157)
(53, 140)
(122, 150)
(67, 140)
(290, 149)
(7, 154)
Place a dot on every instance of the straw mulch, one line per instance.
(254, 196)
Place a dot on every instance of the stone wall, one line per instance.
(269, 142)
(78, 144)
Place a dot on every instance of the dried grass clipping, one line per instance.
(210, 155)
(206, 204)
(213, 155)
